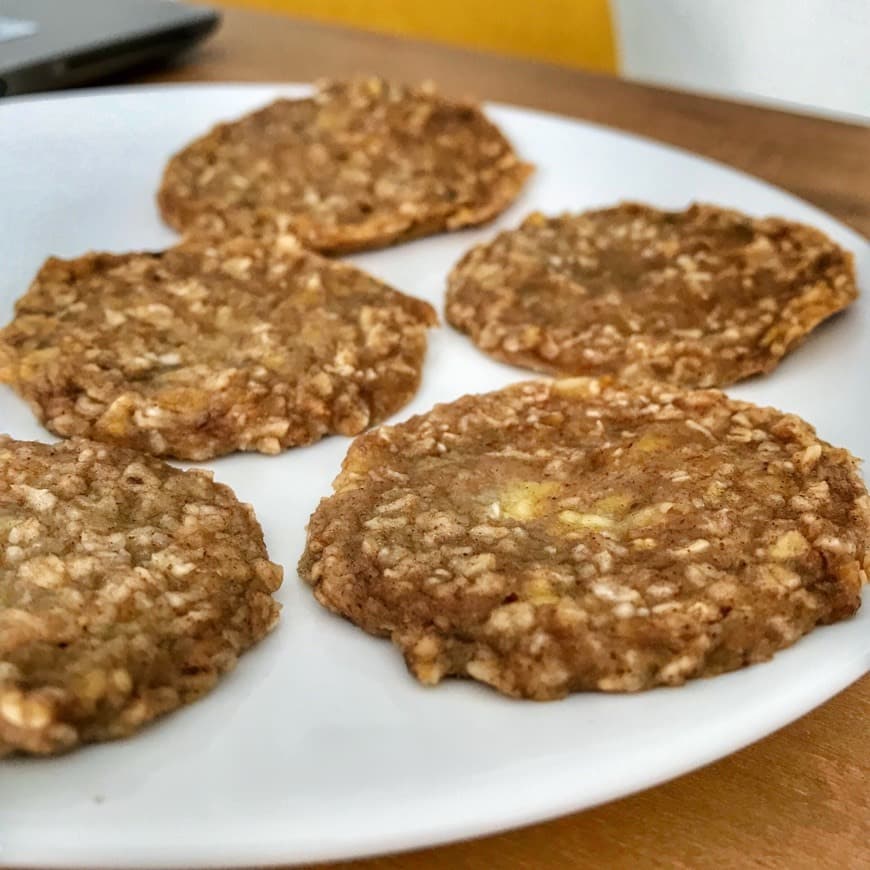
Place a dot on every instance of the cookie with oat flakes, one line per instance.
(213, 346)
(555, 537)
(127, 587)
(361, 164)
(698, 298)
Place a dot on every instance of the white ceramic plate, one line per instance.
(320, 745)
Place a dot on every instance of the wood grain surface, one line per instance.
(800, 798)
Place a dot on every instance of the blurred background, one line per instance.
(811, 56)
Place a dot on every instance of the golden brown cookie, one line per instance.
(698, 298)
(362, 164)
(211, 347)
(555, 537)
(127, 588)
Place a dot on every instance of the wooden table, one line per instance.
(800, 797)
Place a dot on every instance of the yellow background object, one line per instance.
(576, 32)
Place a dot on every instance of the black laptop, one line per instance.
(49, 44)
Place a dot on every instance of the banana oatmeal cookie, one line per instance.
(127, 588)
(211, 347)
(362, 164)
(697, 298)
(561, 536)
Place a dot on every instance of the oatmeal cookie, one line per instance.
(697, 298)
(555, 537)
(211, 347)
(127, 588)
(362, 164)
